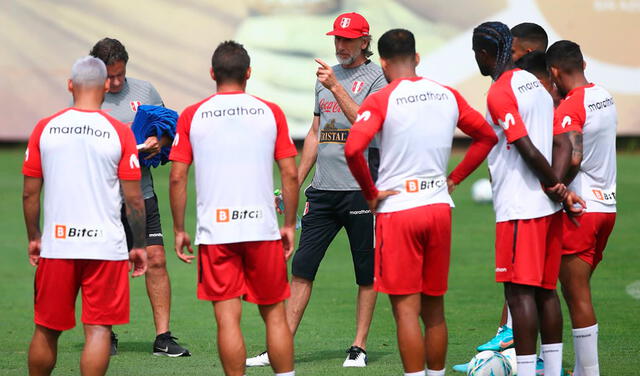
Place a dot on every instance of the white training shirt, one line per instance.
(81, 155)
(518, 105)
(591, 111)
(233, 139)
(415, 119)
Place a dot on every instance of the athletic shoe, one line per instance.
(461, 367)
(502, 341)
(166, 345)
(357, 357)
(260, 360)
(539, 367)
(114, 344)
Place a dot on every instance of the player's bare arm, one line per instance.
(539, 165)
(137, 219)
(289, 180)
(575, 138)
(561, 155)
(178, 201)
(328, 79)
(309, 151)
(31, 207)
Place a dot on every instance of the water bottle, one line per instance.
(280, 201)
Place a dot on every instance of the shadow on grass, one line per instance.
(337, 355)
(130, 346)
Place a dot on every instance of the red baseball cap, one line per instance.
(350, 25)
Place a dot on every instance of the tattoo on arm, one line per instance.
(576, 144)
(576, 156)
(137, 222)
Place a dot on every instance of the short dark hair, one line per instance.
(109, 50)
(531, 32)
(534, 62)
(397, 43)
(566, 56)
(230, 62)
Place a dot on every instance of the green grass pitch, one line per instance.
(473, 301)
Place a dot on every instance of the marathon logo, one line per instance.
(332, 135)
(529, 86)
(227, 215)
(422, 97)
(71, 232)
(420, 185)
(601, 105)
(80, 130)
(230, 112)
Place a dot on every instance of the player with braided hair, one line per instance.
(526, 195)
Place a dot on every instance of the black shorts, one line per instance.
(325, 214)
(154, 228)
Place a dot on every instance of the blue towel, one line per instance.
(154, 121)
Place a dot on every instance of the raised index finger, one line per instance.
(322, 63)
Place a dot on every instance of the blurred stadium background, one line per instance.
(170, 44)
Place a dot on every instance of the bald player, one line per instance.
(82, 157)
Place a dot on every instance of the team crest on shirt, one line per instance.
(345, 22)
(134, 105)
(357, 86)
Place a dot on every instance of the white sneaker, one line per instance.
(357, 357)
(260, 360)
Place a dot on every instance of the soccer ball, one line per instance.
(489, 363)
(510, 354)
(481, 191)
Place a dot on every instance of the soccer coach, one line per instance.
(334, 199)
(82, 156)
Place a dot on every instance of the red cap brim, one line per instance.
(346, 34)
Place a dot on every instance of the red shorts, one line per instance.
(528, 251)
(413, 248)
(255, 270)
(589, 240)
(105, 292)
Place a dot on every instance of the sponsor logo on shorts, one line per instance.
(501, 270)
(67, 232)
(155, 235)
(419, 185)
(359, 212)
(239, 214)
(306, 208)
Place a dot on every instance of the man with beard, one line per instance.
(334, 199)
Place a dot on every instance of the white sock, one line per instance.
(552, 356)
(585, 344)
(509, 323)
(526, 365)
(419, 373)
(431, 372)
(292, 373)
